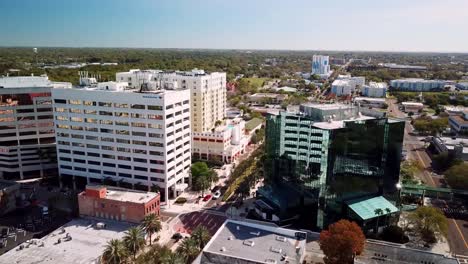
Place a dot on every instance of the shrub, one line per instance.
(394, 234)
(181, 200)
(428, 236)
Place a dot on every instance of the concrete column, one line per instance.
(60, 181)
(87, 180)
(74, 183)
(166, 196)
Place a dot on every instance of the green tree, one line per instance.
(202, 176)
(244, 189)
(201, 235)
(151, 225)
(189, 249)
(115, 252)
(457, 176)
(134, 240)
(429, 220)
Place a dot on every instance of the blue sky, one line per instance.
(385, 25)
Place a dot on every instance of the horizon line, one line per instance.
(238, 49)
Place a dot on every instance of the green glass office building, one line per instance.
(324, 157)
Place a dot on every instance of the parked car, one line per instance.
(207, 197)
(177, 236)
(216, 195)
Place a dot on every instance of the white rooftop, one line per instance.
(86, 245)
(30, 81)
(327, 106)
(255, 242)
(377, 85)
(125, 195)
(412, 104)
(370, 99)
(339, 123)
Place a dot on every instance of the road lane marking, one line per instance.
(460, 232)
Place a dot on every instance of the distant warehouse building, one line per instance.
(375, 89)
(462, 86)
(417, 85)
(459, 123)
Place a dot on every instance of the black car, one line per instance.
(177, 236)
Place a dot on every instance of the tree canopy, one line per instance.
(429, 220)
(342, 242)
(457, 176)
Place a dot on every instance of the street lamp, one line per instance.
(399, 187)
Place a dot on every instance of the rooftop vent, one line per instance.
(230, 238)
(276, 250)
(281, 238)
(249, 243)
(270, 261)
(223, 249)
(255, 233)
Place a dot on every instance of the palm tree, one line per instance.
(188, 249)
(115, 252)
(166, 256)
(134, 240)
(151, 225)
(201, 235)
(388, 211)
(377, 212)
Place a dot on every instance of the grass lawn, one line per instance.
(257, 82)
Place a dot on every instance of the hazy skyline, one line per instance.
(397, 25)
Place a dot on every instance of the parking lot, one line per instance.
(189, 221)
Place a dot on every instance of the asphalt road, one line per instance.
(458, 228)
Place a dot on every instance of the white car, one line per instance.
(216, 195)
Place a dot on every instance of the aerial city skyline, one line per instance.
(220, 132)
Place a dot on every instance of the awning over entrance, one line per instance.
(366, 209)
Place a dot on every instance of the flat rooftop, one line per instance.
(124, 195)
(327, 106)
(86, 245)
(30, 82)
(339, 123)
(256, 242)
(370, 99)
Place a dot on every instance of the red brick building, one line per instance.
(117, 203)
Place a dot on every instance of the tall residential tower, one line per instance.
(207, 91)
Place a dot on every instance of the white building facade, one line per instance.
(417, 85)
(137, 139)
(343, 87)
(224, 144)
(27, 139)
(375, 89)
(207, 91)
(321, 65)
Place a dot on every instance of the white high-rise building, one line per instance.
(27, 140)
(207, 91)
(321, 65)
(135, 138)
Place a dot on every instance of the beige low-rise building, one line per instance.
(224, 144)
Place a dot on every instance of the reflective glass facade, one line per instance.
(313, 171)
